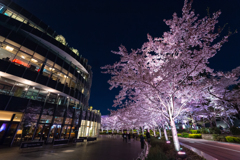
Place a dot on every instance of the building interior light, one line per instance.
(9, 48)
(34, 60)
(25, 89)
(33, 87)
(23, 57)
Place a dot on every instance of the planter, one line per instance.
(207, 136)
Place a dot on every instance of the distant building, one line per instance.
(44, 83)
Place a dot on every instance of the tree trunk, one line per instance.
(165, 133)
(159, 130)
(174, 135)
(122, 131)
(154, 132)
(142, 131)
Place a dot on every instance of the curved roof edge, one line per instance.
(59, 51)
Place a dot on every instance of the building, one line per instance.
(44, 83)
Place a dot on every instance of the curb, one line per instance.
(211, 141)
(200, 153)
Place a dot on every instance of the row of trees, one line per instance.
(168, 78)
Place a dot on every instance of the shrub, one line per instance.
(179, 135)
(195, 136)
(156, 153)
(204, 130)
(194, 131)
(185, 135)
(217, 137)
(232, 139)
(182, 130)
(215, 130)
(235, 130)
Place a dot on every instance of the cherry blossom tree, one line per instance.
(168, 69)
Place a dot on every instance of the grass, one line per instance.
(160, 150)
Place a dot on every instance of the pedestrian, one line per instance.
(123, 136)
(129, 138)
(133, 136)
(142, 141)
(148, 137)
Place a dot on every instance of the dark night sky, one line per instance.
(95, 27)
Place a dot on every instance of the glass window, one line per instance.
(8, 13)
(50, 63)
(6, 85)
(9, 48)
(19, 18)
(26, 50)
(52, 98)
(19, 90)
(39, 57)
(2, 39)
(13, 43)
(32, 93)
(58, 120)
(68, 121)
(42, 95)
(46, 119)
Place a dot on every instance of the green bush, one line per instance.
(194, 131)
(185, 135)
(232, 139)
(156, 153)
(195, 136)
(215, 130)
(204, 130)
(179, 135)
(218, 137)
(235, 130)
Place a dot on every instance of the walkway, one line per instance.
(220, 151)
(105, 148)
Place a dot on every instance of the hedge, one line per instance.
(195, 135)
(194, 131)
(232, 139)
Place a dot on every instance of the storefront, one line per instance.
(9, 123)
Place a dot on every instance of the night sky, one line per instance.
(96, 27)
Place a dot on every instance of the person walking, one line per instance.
(142, 141)
(148, 137)
(123, 136)
(129, 138)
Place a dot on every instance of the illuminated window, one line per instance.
(9, 48)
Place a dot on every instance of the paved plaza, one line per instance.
(105, 148)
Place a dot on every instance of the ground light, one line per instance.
(159, 137)
(181, 154)
(168, 142)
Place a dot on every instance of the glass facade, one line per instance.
(44, 94)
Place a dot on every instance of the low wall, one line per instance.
(207, 136)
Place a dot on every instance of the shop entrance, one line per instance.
(42, 132)
(9, 122)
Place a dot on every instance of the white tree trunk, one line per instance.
(122, 130)
(102, 129)
(137, 132)
(142, 131)
(174, 135)
(154, 132)
(160, 133)
(165, 133)
(132, 131)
